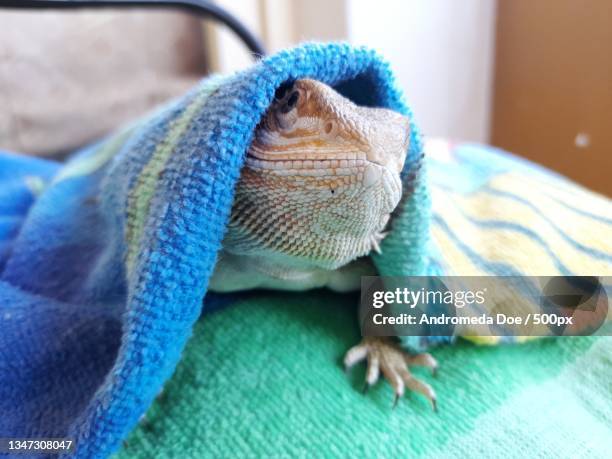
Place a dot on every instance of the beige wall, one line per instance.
(67, 78)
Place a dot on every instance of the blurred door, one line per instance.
(553, 86)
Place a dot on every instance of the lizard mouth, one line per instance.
(314, 165)
(307, 161)
(332, 173)
(317, 157)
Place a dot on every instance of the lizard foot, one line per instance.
(383, 354)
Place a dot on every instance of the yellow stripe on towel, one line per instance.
(583, 229)
(483, 206)
(452, 255)
(494, 245)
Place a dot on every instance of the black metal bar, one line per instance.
(200, 7)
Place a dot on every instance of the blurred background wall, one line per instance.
(530, 77)
(67, 78)
(441, 50)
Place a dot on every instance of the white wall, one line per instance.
(279, 23)
(442, 52)
(224, 51)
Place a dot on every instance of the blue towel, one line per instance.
(104, 261)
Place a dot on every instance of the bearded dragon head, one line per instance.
(321, 179)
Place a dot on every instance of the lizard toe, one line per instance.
(385, 356)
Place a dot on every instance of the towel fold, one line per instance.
(104, 272)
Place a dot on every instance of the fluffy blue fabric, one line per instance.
(104, 272)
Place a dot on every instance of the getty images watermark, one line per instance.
(485, 306)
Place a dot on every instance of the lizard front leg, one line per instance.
(384, 354)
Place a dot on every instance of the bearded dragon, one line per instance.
(321, 180)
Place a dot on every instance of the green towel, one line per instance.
(263, 378)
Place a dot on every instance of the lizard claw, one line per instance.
(384, 355)
(395, 400)
(375, 241)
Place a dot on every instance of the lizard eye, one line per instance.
(282, 90)
(291, 102)
(285, 112)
